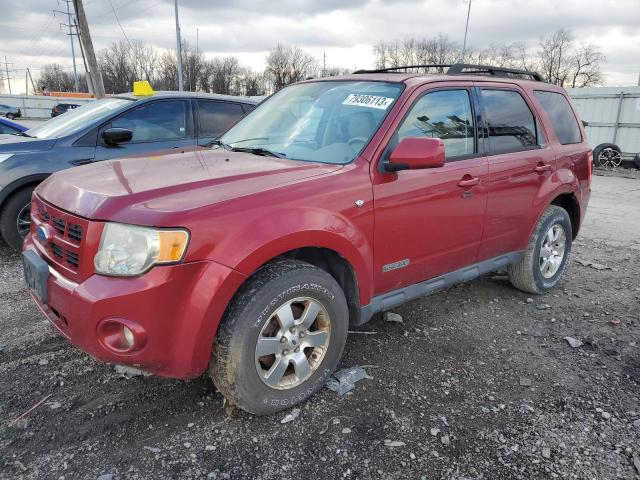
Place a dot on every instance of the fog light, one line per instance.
(121, 335)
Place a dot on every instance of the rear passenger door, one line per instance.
(519, 163)
(157, 125)
(214, 117)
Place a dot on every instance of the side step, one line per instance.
(392, 299)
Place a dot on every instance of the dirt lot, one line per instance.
(477, 383)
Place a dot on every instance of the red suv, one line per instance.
(335, 199)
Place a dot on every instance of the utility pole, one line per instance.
(84, 62)
(85, 38)
(6, 66)
(324, 63)
(76, 85)
(33, 85)
(179, 49)
(466, 29)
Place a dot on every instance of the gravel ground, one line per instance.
(478, 382)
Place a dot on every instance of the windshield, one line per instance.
(73, 120)
(329, 122)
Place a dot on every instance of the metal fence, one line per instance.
(613, 114)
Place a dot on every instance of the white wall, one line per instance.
(38, 106)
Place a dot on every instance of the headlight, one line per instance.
(127, 250)
(5, 156)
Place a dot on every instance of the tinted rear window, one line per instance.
(563, 120)
(512, 126)
(215, 118)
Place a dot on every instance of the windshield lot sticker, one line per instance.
(372, 101)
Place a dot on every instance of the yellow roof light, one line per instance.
(142, 89)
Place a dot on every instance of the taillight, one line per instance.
(590, 166)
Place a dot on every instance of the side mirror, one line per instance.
(416, 153)
(113, 136)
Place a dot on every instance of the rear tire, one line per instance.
(547, 254)
(607, 155)
(13, 216)
(266, 358)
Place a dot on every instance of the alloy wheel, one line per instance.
(292, 343)
(552, 250)
(23, 221)
(609, 158)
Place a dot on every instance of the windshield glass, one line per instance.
(329, 122)
(73, 120)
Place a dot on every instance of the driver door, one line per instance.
(429, 222)
(158, 125)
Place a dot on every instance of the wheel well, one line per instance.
(570, 204)
(335, 265)
(30, 184)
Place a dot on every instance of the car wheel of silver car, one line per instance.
(547, 253)
(281, 337)
(15, 218)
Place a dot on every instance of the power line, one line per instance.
(119, 24)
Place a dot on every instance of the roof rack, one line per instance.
(465, 69)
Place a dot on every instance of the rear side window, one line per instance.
(215, 118)
(512, 126)
(563, 120)
(444, 114)
(155, 121)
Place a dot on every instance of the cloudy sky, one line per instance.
(344, 29)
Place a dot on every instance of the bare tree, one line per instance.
(587, 66)
(288, 64)
(221, 75)
(53, 78)
(555, 56)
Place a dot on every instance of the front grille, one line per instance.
(65, 243)
(73, 259)
(59, 225)
(74, 232)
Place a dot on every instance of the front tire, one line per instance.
(281, 338)
(15, 219)
(547, 253)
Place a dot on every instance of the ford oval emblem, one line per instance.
(42, 233)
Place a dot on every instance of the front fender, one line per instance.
(261, 240)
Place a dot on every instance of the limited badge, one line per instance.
(372, 101)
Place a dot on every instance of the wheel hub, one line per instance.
(292, 343)
(552, 250)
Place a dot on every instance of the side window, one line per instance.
(563, 120)
(155, 121)
(6, 129)
(215, 118)
(444, 114)
(512, 126)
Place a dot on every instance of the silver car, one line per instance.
(10, 112)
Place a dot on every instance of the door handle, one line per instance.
(543, 167)
(468, 181)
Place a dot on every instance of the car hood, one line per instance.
(20, 144)
(152, 189)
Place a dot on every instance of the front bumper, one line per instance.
(177, 306)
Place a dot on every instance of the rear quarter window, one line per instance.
(563, 121)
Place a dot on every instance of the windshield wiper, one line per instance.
(22, 134)
(218, 143)
(259, 151)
